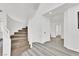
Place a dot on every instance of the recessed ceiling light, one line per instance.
(50, 12)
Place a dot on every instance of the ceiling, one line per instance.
(59, 10)
(19, 11)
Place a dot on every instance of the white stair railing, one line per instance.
(6, 42)
(5, 35)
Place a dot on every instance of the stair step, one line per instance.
(15, 41)
(1, 50)
(27, 46)
(18, 51)
(21, 33)
(22, 30)
(20, 44)
(17, 45)
(14, 45)
(19, 37)
(25, 28)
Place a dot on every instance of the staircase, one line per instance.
(19, 42)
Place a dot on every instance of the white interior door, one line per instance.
(58, 29)
(45, 30)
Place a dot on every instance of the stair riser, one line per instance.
(16, 41)
(20, 43)
(22, 30)
(19, 37)
(21, 33)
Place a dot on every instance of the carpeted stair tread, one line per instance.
(22, 38)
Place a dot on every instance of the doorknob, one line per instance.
(44, 32)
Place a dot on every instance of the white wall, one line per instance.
(14, 26)
(39, 26)
(19, 14)
(37, 29)
(71, 31)
(45, 29)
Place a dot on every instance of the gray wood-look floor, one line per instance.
(54, 47)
